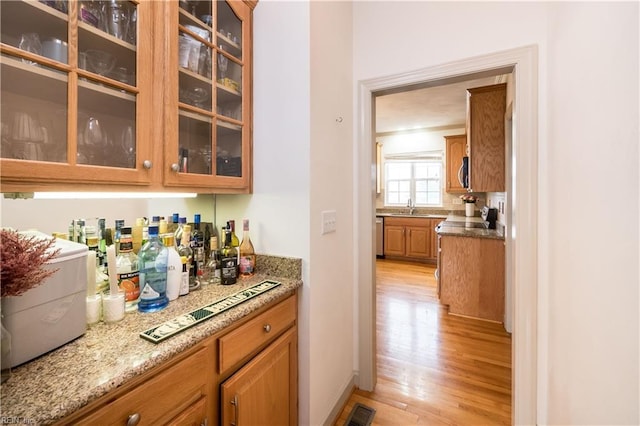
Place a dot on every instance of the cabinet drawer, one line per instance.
(255, 334)
(160, 398)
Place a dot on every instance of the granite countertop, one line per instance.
(447, 227)
(56, 384)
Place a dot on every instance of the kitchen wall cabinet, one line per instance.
(107, 109)
(472, 276)
(76, 96)
(410, 237)
(248, 369)
(456, 148)
(486, 107)
(207, 108)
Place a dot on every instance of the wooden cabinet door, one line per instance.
(418, 242)
(207, 105)
(472, 276)
(486, 116)
(265, 390)
(456, 148)
(394, 240)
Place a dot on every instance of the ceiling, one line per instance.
(440, 107)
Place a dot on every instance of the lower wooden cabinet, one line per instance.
(166, 398)
(245, 375)
(472, 276)
(262, 392)
(410, 238)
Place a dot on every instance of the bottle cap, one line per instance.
(125, 230)
(183, 220)
(196, 218)
(153, 230)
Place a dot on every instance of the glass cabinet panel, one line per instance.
(212, 117)
(70, 90)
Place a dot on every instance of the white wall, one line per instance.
(302, 166)
(332, 316)
(588, 143)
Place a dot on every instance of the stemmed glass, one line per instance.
(94, 139)
(128, 145)
(101, 62)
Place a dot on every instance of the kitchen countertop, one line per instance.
(462, 231)
(56, 384)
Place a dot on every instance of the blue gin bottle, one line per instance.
(153, 257)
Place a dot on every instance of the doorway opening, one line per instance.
(520, 237)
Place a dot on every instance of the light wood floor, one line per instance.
(433, 368)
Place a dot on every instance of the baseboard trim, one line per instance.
(342, 402)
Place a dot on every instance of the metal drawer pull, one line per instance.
(133, 419)
(267, 328)
(234, 402)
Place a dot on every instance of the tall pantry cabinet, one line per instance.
(126, 95)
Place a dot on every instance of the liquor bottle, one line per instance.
(179, 230)
(247, 253)
(163, 227)
(229, 261)
(185, 251)
(136, 232)
(153, 274)
(197, 246)
(235, 242)
(174, 268)
(173, 225)
(184, 277)
(212, 268)
(102, 244)
(117, 233)
(127, 268)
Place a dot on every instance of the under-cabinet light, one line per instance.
(109, 195)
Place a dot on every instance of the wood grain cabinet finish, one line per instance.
(177, 394)
(456, 148)
(151, 122)
(410, 238)
(253, 364)
(472, 276)
(263, 391)
(486, 107)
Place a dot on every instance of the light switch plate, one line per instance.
(328, 222)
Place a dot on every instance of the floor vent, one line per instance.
(361, 415)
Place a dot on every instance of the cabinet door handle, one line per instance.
(175, 167)
(234, 402)
(147, 164)
(267, 328)
(133, 419)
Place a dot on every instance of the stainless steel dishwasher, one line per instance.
(379, 236)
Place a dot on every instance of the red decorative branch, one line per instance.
(22, 260)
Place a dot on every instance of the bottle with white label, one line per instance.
(174, 268)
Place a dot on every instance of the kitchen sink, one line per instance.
(416, 215)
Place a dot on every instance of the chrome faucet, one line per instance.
(411, 205)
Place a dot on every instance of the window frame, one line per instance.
(413, 181)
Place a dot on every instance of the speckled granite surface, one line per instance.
(58, 383)
(462, 231)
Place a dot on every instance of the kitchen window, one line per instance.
(420, 180)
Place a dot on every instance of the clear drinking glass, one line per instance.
(30, 42)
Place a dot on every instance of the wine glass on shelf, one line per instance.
(101, 62)
(128, 145)
(94, 139)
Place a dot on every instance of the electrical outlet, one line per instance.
(328, 222)
(457, 201)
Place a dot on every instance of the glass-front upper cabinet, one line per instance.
(76, 92)
(209, 95)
